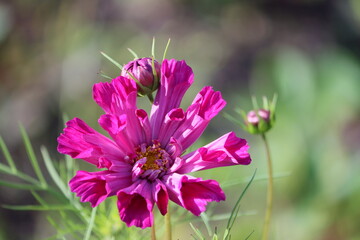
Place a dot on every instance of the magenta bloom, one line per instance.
(144, 160)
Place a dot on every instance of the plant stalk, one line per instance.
(269, 201)
(153, 232)
(168, 226)
(150, 97)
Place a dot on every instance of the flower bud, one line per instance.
(260, 120)
(141, 70)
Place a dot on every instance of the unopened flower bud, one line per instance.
(141, 70)
(260, 120)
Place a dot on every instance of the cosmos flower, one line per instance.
(144, 159)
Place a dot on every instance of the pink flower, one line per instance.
(144, 160)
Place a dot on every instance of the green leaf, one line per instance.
(249, 235)
(6, 170)
(53, 173)
(205, 219)
(21, 186)
(220, 217)
(215, 237)
(38, 198)
(39, 207)
(91, 224)
(254, 102)
(104, 76)
(197, 232)
(153, 48)
(226, 234)
(234, 120)
(166, 48)
(112, 60)
(230, 183)
(7, 155)
(32, 157)
(235, 210)
(133, 53)
(62, 233)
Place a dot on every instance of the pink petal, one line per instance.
(117, 96)
(171, 122)
(135, 205)
(90, 187)
(118, 180)
(193, 193)
(115, 125)
(206, 105)
(145, 127)
(128, 130)
(176, 77)
(225, 151)
(160, 196)
(81, 141)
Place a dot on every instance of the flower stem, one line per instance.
(151, 98)
(168, 225)
(153, 232)
(269, 201)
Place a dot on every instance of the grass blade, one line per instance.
(38, 198)
(53, 173)
(21, 186)
(7, 155)
(249, 235)
(112, 60)
(166, 48)
(206, 220)
(32, 157)
(104, 75)
(237, 205)
(91, 224)
(39, 207)
(133, 53)
(235, 182)
(197, 232)
(234, 120)
(153, 48)
(6, 170)
(232, 219)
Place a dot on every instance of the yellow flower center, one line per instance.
(155, 158)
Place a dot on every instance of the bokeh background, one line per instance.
(307, 51)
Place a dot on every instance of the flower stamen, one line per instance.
(156, 157)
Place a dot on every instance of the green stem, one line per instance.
(269, 201)
(168, 225)
(151, 98)
(153, 232)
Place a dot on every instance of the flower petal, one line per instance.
(193, 193)
(90, 186)
(206, 105)
(176, 77)
(117, 96)
(171, 122)
(225, 151)
(135, 204)
(115, 125)
(81, 141)
(160, 196)
(128, 130)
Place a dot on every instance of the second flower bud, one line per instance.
(146, 72)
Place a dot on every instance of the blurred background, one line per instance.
(307, 51)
